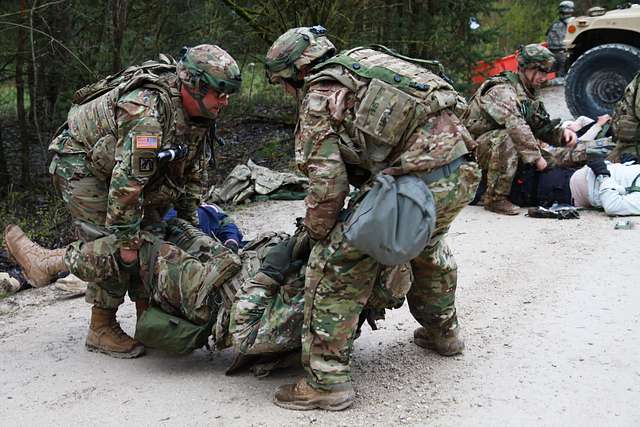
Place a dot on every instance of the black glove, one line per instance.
(277, 264)
(599, 168)
(233, 245)
(628, 157)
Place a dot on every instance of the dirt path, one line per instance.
(549, 309)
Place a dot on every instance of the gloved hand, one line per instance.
(599, 167)
(628, 157)
(233, 245)
(277, 263)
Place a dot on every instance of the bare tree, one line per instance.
(20, 107)
(119, 20)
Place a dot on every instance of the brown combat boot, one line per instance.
(40, 266)
(106, 336)
(302, 397)
(502, 206)
(444, 342)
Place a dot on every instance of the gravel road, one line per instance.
(549, 310)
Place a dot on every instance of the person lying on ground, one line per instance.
(212, 220)
(254, 302)
(588, 129)
(614, 187)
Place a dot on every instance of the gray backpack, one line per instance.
(394, 220)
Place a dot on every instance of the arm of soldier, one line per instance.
(195, 175)
(615, 200)
(318, 155)
(500, 103)
(139, 138)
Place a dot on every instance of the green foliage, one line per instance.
(42, 217)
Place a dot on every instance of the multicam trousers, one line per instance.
(86, 197)
(180, 275)
(339, 281)
(498, 158)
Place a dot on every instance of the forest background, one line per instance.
(50, 48)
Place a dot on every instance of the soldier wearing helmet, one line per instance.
(511, 125)
(556, 33)
(365, 112)
(132, 148)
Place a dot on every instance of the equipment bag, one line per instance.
(157, 329)
(394, 221)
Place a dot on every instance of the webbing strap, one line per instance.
(634, 188)
(375, 72)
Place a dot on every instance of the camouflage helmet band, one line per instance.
(227, 86)
(287, 59)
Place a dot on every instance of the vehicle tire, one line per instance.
(597, 79)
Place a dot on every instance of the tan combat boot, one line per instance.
(106, 336)
(40, 266)
(502, 206)
(444, 342)
(302, 397)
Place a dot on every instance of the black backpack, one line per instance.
(533, 188)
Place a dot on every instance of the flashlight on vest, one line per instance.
(171, 154)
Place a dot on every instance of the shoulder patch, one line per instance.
(147, 141)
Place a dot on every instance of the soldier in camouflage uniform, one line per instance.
(625, 122)
(108, 164)
(555, 36)
(509, 123)
(361, 113)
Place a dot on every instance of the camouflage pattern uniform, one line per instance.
(508, 121)
(555, 37)
(267, 317)
(556, 34)
(105, 165)
(578, 156)
(335, 147)
(625, 122)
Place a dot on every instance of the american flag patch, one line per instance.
(147, 141)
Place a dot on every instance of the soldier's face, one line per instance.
(536, 77)
(204, 104)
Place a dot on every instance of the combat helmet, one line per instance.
(566, 8)
(535, 56)
(298, 47)
(205, 66)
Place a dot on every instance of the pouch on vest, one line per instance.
(157, 329)
(394, 221)
(626, 129)
(384, 113)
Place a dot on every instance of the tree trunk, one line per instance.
(119, 20)
(20, 109)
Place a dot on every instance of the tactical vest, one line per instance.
(393, 97)
(91, 126)
(532, 110)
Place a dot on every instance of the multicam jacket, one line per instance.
(119, 136)
(352, 125)
(505, 102)
(555, 35)
(625, 122)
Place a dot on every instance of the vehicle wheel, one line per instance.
(597, 79)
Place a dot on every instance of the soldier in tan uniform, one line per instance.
(133, 147)
(511, 124)
(365, 112)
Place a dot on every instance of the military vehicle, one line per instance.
(603, 55)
